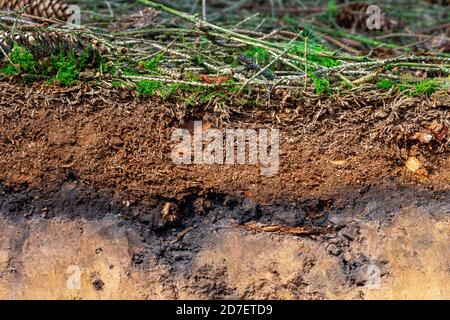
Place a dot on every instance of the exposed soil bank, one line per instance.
(86, 180)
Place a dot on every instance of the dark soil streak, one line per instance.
(207, 212)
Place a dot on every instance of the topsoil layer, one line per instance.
(112, 141)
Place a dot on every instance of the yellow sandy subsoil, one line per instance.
(38, 257)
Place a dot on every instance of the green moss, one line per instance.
(321, 85)
(427, 87)
(67, 66)
(9, 70)
(67, 70)
(22, 61)
(323, 61)
(386, 84)
(197, 59)
(332, 8)
(166, 91)
(191, 76)
(190, 100)
(117, 84)
(108, 67)
(130, 72)
(64, 67)
(120, 84)
(315, 53)
(260, 55)
(403, 86)
(147, 88)
(152, 64)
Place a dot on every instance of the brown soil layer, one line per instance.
(49, 136)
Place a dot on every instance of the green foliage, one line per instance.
(260, 55)
(118, 84)
(147, 88)
(194, 94)
(332, 8)
(321, 85)
(168, 90)
(403, 86)
(67, 66)
(323, 61)
(191, 76)
(315, 52)
(108, 67)
(427, 87)
(22, 62)
(386, 84)
(67, 69)
(152, 64)
(197, 59)
(23, 59)
(64, 67)
(131, 72)
(9, 70)
(190, 100)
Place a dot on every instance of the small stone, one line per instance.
(334, 249)
(414, 165)
(351, 232)
(96, 281)
(88, 74)
(347, 256)
(423, 136)
(170, 212)
(338, 163)
(334, 241)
